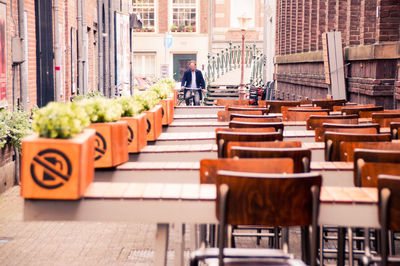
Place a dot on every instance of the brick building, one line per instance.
(370, 37)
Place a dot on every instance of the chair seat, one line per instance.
(246, 256)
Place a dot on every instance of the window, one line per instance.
(240, 8)
(144, 64)
(184, 15)
(145, 10)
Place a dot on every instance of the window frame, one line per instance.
(155, 17)
(170, 17)
(143, 62)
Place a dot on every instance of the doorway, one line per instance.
(44, 51)
(181, 64)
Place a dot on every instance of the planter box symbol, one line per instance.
(100, 145)
(50, 169)
(131, 135)
(148, 125)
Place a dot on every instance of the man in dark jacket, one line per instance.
(192, 84)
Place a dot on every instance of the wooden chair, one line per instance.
(303, 114)
(355, 110)
(389, 214)
(338, 108)
(224, 116)
(224, 137)
(316, 121)
(328, 103)
(394, 129)
(345, 128)
(301, 157)
(245, 107)
(263, 110)
(275, 106)
(277, 126)
(263, 144)
(224, 102)
(256, 199)
(332, 142)
(285, 109)
(255, 118)
(368, 164)
(368, 114)
(347, 148)
(210, 167)
(384, 119)
(247, 130)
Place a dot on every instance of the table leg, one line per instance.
(162, 235)
(180, 244)
(341, 246)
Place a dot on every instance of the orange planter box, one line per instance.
(57, 168)
(167, 111)
(111, 144)
(154, 123)
(137, 132)
(175, 97)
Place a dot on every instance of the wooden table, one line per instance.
(166, 204)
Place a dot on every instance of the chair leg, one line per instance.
(341, 246)
(258, 237)
(305, 244)
(350, 233)
(321, 245)
(276, 238)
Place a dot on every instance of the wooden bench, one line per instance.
(316, 121)
(255, 118)
(328, 103)
(277, 126)
(333, 141)
(284, 110)
(355, 110)
(275, 106)
(394, 129)
(301, 157)
(224, 116)
(225, 102)
(345, 128)
(369, 163)
(384, 119)
(224, 137)
(263, 110)
(297, 114)
(210, 167)
(347, 148)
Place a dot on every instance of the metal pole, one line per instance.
(23, 71)
(265, 45)
(57, 52)
(100, 45)
(211, 27)
(80, 45)
(242, 91)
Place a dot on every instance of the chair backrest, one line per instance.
(384, 119)
(224, 137)
(316, 121)
(224, 116)
(368, 164)
(267, 199)
(328, 103)
(389, 210)
(266, 119)
(224, 102)
(262, 144)
(394, 129)
(304, 114)
(301, 156)
(355, 110)
(347, 148)
(278, 126)
(285, 109)
(248, 130)
(210, 167)
(366, 114)
(275, 106)
(338, 108)
(264, 110)
(248, 106)
(345, 128)
(332, 142)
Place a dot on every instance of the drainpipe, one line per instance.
(211, 27)
(23, 71)
(100, 44)
(57, 52)
(84, 48)
(80, 46)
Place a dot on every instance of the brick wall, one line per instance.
(370, 37)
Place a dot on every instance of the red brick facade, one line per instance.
(370, 37)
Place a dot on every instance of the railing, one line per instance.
(230, 59)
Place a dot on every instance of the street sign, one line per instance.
(164, 71)
(167, 40)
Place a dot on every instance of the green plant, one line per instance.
(100, 109)
(89, 95)
(60, 120)
(189, 28)
(13, 127)
(173, 28)
(161, 89)
(181, 28)
(146, 99)
(129, 106)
